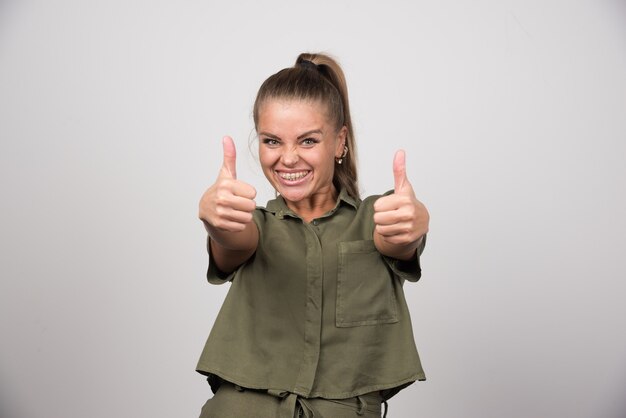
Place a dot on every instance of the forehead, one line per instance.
(291, 115)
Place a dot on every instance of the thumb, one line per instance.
(229, 166)
(399, 171)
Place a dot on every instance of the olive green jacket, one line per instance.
(317, 311)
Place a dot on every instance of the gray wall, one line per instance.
(513, 115)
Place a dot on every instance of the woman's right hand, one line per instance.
(228, 204)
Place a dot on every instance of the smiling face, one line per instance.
(297, 150)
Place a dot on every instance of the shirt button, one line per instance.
(315, 222)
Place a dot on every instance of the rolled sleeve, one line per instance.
(407, 269)
(215, 275)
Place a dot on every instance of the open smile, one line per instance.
(293, 176)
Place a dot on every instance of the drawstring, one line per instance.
(362, 405)
(306, 410)
(386, 406)
(304, 407)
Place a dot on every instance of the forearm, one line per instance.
(397, 251)
(231, 249)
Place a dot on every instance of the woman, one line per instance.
(315, 323)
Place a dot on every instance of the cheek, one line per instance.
(329, 159)
(265, 158)
(324, 164)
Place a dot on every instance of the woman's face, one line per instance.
(297, 149)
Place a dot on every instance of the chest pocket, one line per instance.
(365, 288)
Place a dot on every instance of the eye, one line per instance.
(309, 142)
(270, 142)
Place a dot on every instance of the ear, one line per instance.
(342, 134)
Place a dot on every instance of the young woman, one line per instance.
(315, 323)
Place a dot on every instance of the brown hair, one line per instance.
(318, 77)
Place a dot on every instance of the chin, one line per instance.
(292, 195)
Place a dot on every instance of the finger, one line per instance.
(397, 229)
(399, 239)
(391, 217)
(229, 166)
(406, 229)
(391, 202)
(239, 188)
(231, 226)
(229, 215)
(240, 204)
(399, 171)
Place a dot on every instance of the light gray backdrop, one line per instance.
(513, 115)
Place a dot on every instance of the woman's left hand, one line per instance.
(401, 220)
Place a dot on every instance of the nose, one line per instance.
(290, 156)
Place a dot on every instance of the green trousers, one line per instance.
(231, 401)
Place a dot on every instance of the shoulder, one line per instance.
(369, 201)
(260, 217)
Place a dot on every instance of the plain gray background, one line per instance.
(513, 115)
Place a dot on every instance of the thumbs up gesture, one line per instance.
(401, 220)
(228, 204)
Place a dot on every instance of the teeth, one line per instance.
(293, 176)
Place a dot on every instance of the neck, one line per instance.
(315, 205)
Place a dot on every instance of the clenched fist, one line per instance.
(228, 204)
(400, 219)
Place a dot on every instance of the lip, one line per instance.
(292, 177)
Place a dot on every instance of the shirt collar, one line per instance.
(279, 208)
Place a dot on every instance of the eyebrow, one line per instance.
(314, 131)
(305, 134)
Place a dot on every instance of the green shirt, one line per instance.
(317, 310)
